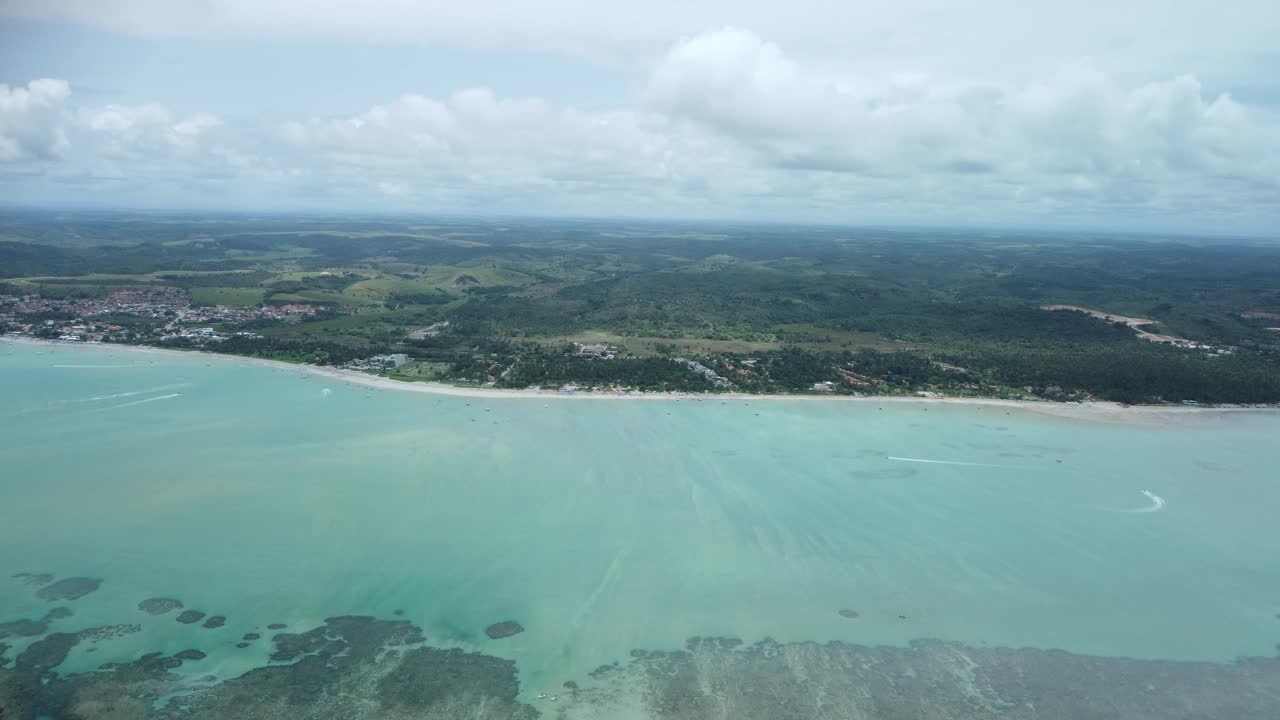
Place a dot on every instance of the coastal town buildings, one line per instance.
(105, 319)
(707, 372)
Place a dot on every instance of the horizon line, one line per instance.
(313, 214)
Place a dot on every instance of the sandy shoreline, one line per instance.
(1091, 411)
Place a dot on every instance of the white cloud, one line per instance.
(978, 38)
(476, 142)
(146, 130)
(29, 120)
(1077, 132)
(726, 124)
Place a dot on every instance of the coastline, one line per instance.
(1097, 411)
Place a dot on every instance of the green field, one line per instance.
(232, 296)
(453, 280)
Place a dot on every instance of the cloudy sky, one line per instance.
(1123, 114)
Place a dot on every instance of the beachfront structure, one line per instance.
(706, 372)
(430, 331)
(595, 350)
(389, 362)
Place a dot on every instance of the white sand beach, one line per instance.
(1098, 411)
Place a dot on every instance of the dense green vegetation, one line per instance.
(1143, 372)
(902, 309)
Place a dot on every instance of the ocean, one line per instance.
(612, 531)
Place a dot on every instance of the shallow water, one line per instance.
(602, 527)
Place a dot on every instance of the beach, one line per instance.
(1096, 411)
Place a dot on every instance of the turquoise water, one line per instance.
(269, 495)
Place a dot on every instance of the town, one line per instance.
(165, 314)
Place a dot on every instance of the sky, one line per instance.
(1125, 115)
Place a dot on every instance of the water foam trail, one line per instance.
(140, 402)
(1157, 504)
(97, 367)
(607, 581)
(56, 405)
(949, 462)
(133, 393)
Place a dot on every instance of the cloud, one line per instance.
(725, 124)
(150, 130)
(1077, 132)
(978, 38)
(29, 120)
(474, 142)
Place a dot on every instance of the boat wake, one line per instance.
(947, 462)
(1157, 504)
(78, 403)
(134, 393)
(142, 401)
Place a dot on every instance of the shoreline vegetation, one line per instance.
(667, 306)
(1095, 410)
